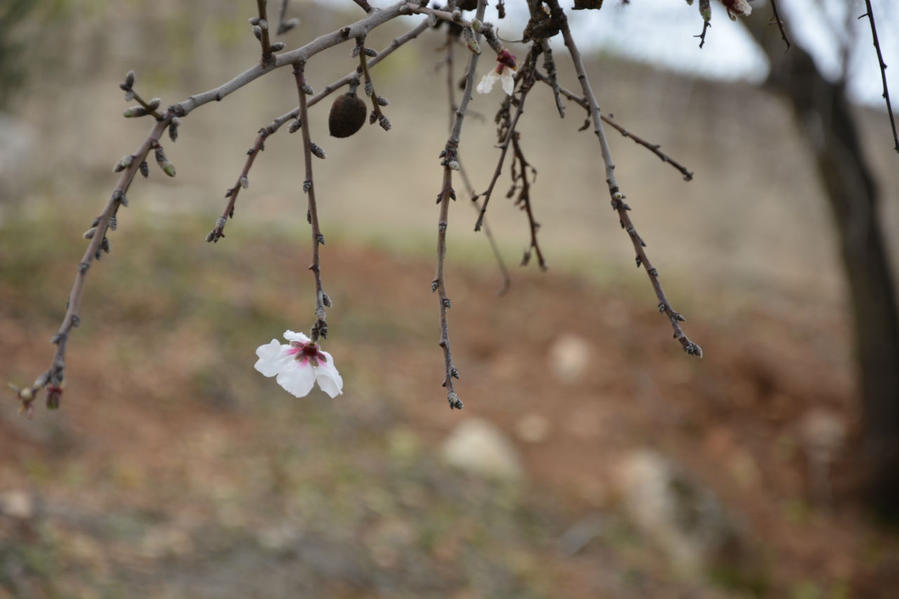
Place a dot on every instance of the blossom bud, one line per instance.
(278, 46)
(144, 169)
(129, 81)
(124, 163)
(167, 167)
(317, 151)
(134, 111)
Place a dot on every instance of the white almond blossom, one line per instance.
(505, 76)
(298, 365)
(504, 73)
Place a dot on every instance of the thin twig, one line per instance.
(450, 160)
(617, 196)
(883, 70)
(654, 148)
(369, 86)
(54, 376)
(780, 24)
(475, 203)
(524, 201)
(242, 183)
(550, 65)
(320, 327)
(285, 24)
(260, 28)
(705, 10)
(504, 148)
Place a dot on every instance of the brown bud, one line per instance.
(347, 115)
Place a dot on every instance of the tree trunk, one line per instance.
(822, 113)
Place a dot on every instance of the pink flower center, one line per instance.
(505, 59)
(307, 352)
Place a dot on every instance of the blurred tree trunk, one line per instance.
(825, 122)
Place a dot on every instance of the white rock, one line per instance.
(17, 504)
(478, 447)
(683, 518)
(532, 428)
(569, 357)
(822, 431)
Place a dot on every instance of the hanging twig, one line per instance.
(449, 162)
(524, 201)
(654, 148)
(320, 327)
(617, 196)
(780, 24)
(475, 203)
(260, 30)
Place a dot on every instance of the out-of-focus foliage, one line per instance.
(21, 23)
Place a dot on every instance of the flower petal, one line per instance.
(507, 78)
(487, 81)
(273, 357)
(328, 378)
(297, 379)
(299, 337)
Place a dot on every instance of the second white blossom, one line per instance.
(504, 73)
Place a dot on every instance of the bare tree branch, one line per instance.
(615, 192)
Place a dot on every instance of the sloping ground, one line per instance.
(174, 470)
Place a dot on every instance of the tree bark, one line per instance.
(822, 113)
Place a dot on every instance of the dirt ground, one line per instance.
(174, 470)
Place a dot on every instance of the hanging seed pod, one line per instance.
(347, 115)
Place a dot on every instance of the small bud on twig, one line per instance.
(167, 167)
(134, 111)
(124, 163)
(173, 129)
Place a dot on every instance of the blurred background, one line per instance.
(593, 457)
